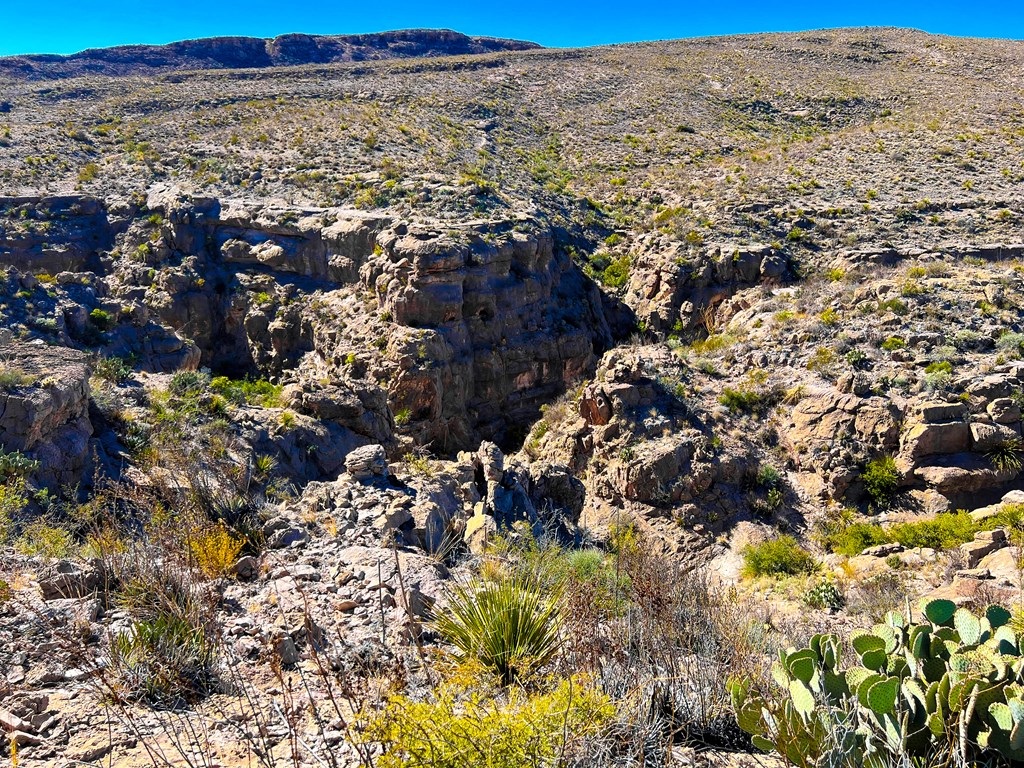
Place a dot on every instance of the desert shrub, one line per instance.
(185, 383)
(458, 728)
(44, 540)
(116, 370)
(855, 538)
(893, 343)
(168, 655)
(12, 377)
(939, 380)
(881, 479)
(1011, 344)
(742, 400)
(715, 342)
(945, 531)
(768, 476)
(252, 391)
(215, 550)
(507, 625)
(939, 366)
(895, 306)
(616, 274)
(165, 660)
(781, 556)
(101, 319)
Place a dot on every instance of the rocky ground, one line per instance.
(374, 318)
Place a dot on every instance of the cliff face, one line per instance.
(251, 52)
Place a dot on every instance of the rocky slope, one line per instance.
(252, 52)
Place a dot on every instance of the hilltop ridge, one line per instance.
(254, 52)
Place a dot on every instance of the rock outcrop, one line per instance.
(44, 408)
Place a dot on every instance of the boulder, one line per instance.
(985, 437)
(367, 462)
(1003, 410)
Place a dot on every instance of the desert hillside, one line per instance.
(311, 347)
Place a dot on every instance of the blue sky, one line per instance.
(65, 26)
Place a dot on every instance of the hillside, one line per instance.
(712, 343)
(252, 52)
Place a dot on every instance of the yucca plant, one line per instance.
(164, 661)
(508, 625)
(1008, 456)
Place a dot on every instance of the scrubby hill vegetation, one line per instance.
(655, 404)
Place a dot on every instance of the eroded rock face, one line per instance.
(830, 433)
(54, 234)
(516, 322)
(44, 408)
(670, 289)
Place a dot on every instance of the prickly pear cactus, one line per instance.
(954, 679)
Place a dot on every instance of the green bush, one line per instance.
(855, 538)
(116, 370)
(881, 479)
(616, 274)
(944, 531)
(506, 625)
(454, 731)
(742, 400)
(781, 556)
(893, 343)
(46, 541)
(943, 366)
(101, 319)
(11, 378)
(1011, 344)
(248, 391)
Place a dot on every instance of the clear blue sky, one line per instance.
(65, 26)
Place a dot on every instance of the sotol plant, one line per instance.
(507, 625)
(952, 685)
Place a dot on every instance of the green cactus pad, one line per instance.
(881, 696)
(939, 612)
(967, 626)
(863, 642)
(802, 698)
(1005, 641)
(864, 686)
(1001, 716)
(997, 616)
(875, 660)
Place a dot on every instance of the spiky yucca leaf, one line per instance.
(508, 625)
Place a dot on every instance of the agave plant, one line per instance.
(508, 625)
